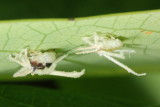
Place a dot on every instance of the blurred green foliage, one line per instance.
(18, 9)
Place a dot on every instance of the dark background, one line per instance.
(22, 9)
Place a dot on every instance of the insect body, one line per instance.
(35, 62)
(108, 46)
(37, 65)
(40, 60)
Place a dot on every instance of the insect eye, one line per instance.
(48, 64)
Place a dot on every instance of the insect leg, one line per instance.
(85, 48)
(96, 39)
(111, 54)
(73, 74)
(22, 72)
(85, 52)
(54, 64)
(86, 39)
(124, 66)
(60, 58)
(11, 58)
(125, 51)
(21, 58)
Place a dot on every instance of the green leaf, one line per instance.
(139, 31)
(104, 82)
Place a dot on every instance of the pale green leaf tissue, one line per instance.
(139, 31)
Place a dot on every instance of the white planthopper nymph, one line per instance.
(105, 44)
(41, 63)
